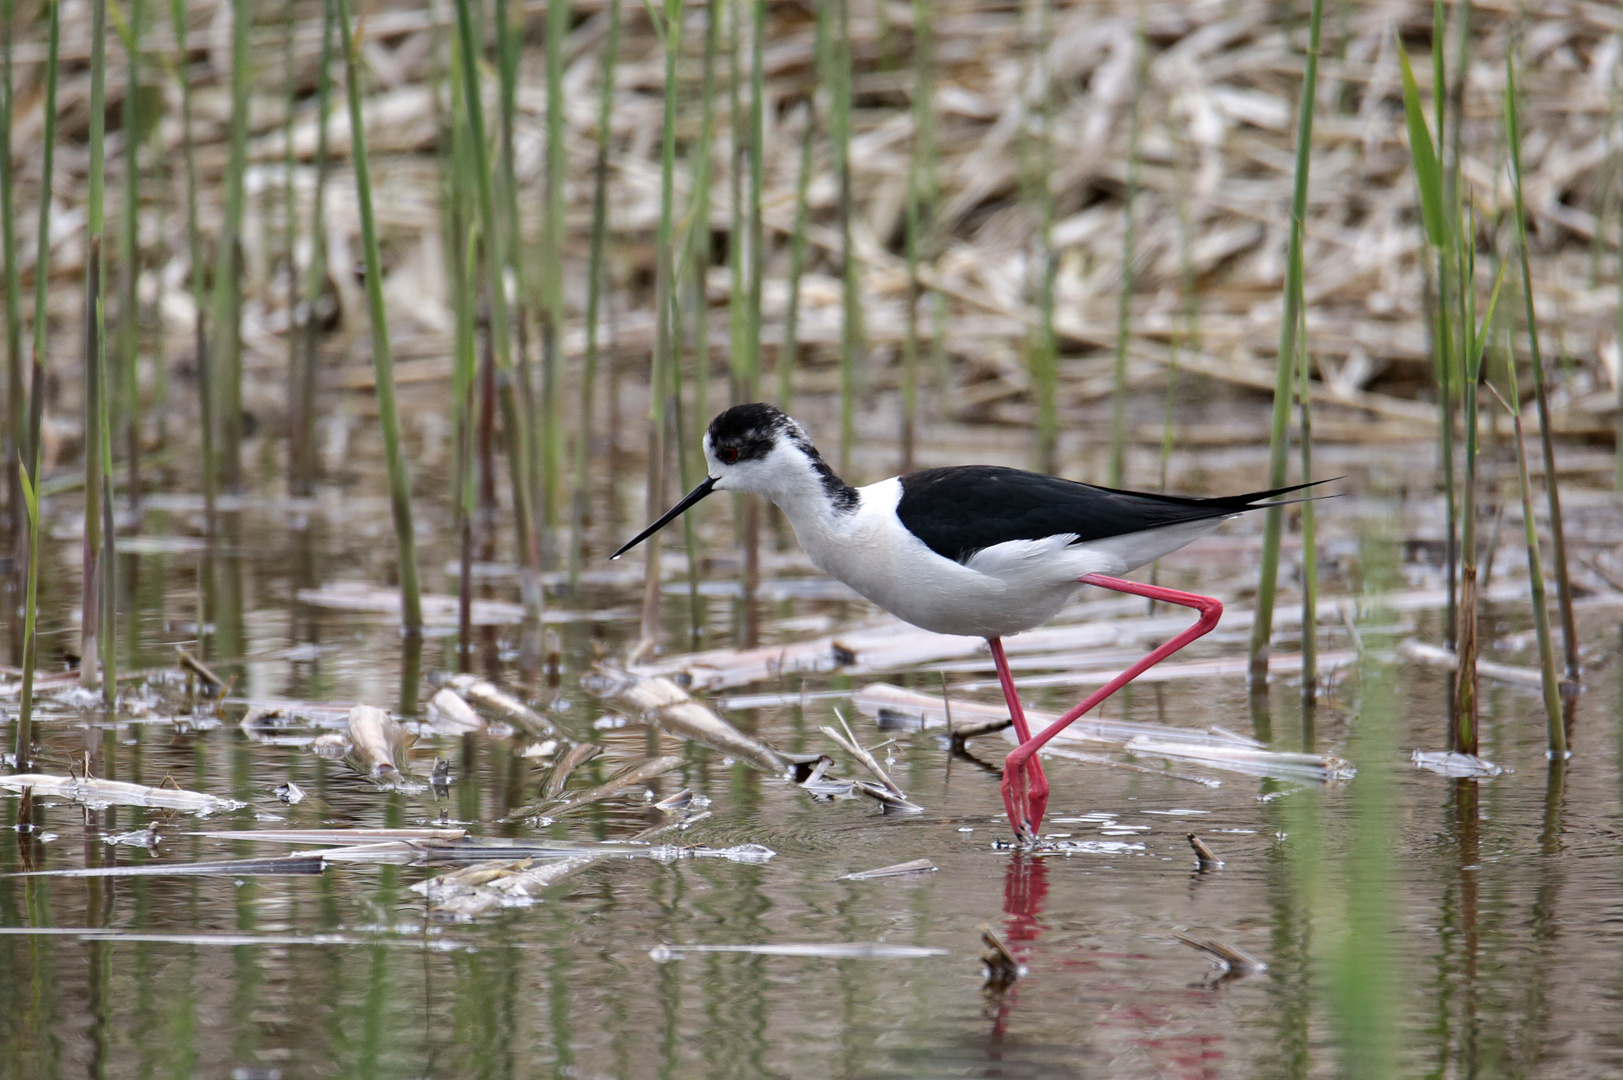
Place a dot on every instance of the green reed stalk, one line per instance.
(737, 241)
(463, 375)
(302, 395)
(225, 355)
(508, 47)
(1554, 724)
(290, 237)
(669, 28)
(95, 355)
(594, 292)
(1129, 250)
(920, 206)
(16, 402)
(757, 183)
(527, 417)
(693, 253)
(838, 77)
(1466, 729)
(1447, 184)
(750, 519)
(514, 422)
(1453, 318)
(1310, 540)
(24, 748)
(129, 257)
(789, 353)
(382, 357)
(1045, 350)
(194, 240)
(1262, 627)
(551, 440)
(1546, 426)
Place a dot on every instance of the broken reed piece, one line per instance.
(378, 743)
(1204, 856)
(1235, 963)
(958, 737)
(917, 866)
(201, 670)
(1002, 969)
(484, 693)
(553, 785)
(848, 743)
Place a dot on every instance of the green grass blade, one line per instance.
(1273, 526)
(1428, 174)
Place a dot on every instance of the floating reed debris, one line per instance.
(1235, 963)
(679, 714)
(99, 794)
(904, 869)
(488, 695)
(841, 950)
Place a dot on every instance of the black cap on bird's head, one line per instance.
(739, 436)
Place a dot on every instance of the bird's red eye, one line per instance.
(728, 454)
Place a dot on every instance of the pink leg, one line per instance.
(1025, 790)
(1032, 775)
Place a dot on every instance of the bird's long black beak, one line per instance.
(670, 515)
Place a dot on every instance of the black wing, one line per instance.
(963, 509)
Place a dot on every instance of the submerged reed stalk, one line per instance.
(1262, 627)
(382, 358)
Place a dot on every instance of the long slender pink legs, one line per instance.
(1022, 729)
(1025, 788)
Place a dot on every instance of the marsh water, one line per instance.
(1461, 927)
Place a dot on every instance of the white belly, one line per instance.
(1003, 590)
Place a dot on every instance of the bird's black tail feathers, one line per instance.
(1238, 503)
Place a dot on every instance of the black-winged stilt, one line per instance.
(971, 549)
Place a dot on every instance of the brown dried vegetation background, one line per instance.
(1217, 113)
